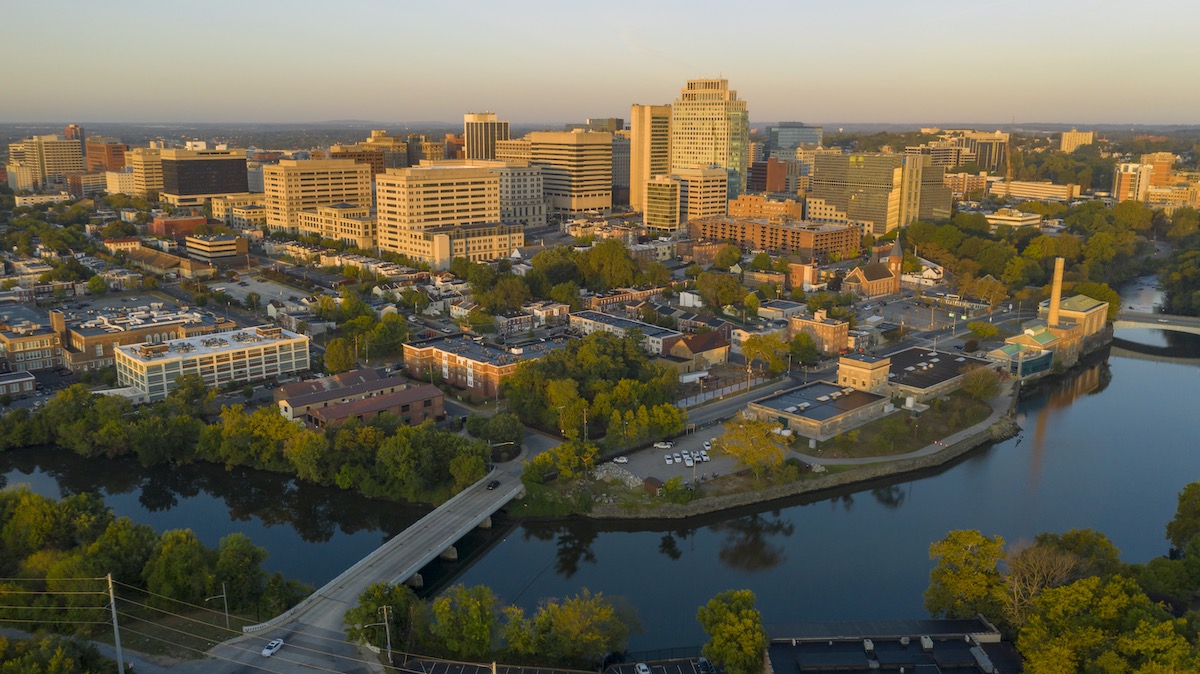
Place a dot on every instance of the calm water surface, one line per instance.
(1107, 448)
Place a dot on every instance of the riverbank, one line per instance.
(1000, 425)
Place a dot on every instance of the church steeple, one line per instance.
(895, 265)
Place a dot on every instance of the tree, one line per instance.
(981, 383)
(761, 261)
(466, 621)
(96, 285)
(754, 443)
(339, 356)
(1102, 625)
(180, 567)
(1186, 522)
(693, 270)
(717, 289)
(1030, 571)
(727, 257)
(769, 348)
(804, 349)
(751, 304)
(360, 620)
(966, 579)
(253, 301)
(983, 329)
(736, 638)
(580, 628)
(1103, 293)
(239, 567)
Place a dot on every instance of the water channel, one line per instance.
(1107, 447)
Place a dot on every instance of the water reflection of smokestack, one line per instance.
(1062, 395)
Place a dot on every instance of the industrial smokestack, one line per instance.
(1056, 292)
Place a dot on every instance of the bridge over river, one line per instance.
(1138, 319)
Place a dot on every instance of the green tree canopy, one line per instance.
(339, 356)
(966, 578)
(736, 638)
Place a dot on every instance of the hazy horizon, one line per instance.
(534, 62)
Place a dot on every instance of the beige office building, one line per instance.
(576, 169)
(711, 126)
(1163, 163)
(1131, 182)
(119, 182)
(649, 148)
(522, 194)
(514, 150)
(703, 192)
(351, 224)
(147, 171)
(230, 357)
(49, 157)
(442, 210)
(481, 131)
(223, 207)
(1073, 139)
(293, 186)
(661, 205)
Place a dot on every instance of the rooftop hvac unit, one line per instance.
(790, 409)
(910, 368)
(823, 399)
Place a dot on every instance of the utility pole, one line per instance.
(112, 602)
(387, 629)
(224, 598)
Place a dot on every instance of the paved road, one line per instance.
(314, 635)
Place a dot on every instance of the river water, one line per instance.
(1107, 447)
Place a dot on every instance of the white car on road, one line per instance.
(272, 647)
(621, 459)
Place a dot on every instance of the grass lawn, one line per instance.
(898, 433)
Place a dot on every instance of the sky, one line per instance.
(852, 61)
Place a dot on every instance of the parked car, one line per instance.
(663, 445)
(669, 460)
(621, 459)
(642, 668)
(272, 647)
(677, 457)
(687, 460)
(707, 445)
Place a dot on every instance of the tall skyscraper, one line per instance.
(710, 126)
(620, 168)
(576, 169)
(662, 205)
(481, 130)
(147, 172)
(703, 192)
(880, 192)
(104, 154)
(649, 148)
(293, 186)
(49, 158)
(1163, 163)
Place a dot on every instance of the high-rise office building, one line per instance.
(710, 126)
(1073, 139)
(424, 148)
(442, 210)
(1163, 163)
(191, 177)
(514, 150)
(649, 148)
(49, 157)
(395, 151)
(990, 148)
(73, 132)
(881, 192)
(1131, 182)
(620, 168)
(522, 194)
(703, 192)
(784, 138)
(361, 153)
(147, 172)
(661, 213)
(104, 154)
(576, 169)
(481, 130)
(293, 186)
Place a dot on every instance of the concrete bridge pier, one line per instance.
(486, 523)
(416, 582)
(450, 554)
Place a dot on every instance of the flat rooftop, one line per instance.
(626, 324)
(819, 401)
(485, 352)
(138, 319)
(190, 347)
(924, 368)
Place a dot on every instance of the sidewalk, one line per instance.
(1000, 405)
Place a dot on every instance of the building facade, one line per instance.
(1074, 139)
(103, 154)
(760, 206)
(147, 172)
(649, 148)
(243, 356)
(353, 225)
(522, 195)
(217, 249)
(1131, 182)
(481, 130)
(661, 205)
(291, 187)
(808, 239)
(830, 335)
(192, 177)
(476, 367)
(710, 126)
(30, 348)
(576, 170)
(885, 192)
(655, 340)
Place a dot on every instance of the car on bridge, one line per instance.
(272, 647)
(493, 484)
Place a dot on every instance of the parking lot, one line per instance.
(267, 290)
(441, 667)
(686, 666)
(651, 462)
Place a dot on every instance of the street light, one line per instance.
(224, 599)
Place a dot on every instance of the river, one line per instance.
(1107, 447)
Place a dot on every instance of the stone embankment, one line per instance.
(1002, 429)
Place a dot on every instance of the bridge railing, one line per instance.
(383, 549)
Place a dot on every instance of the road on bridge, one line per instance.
(314, 635)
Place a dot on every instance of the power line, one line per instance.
(197, 650)
(49, 592)
(56, 608)
(55, 622)
(47, 580)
